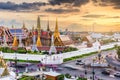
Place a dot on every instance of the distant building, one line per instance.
(66, 40)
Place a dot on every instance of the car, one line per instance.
(59, 69)
(106, 72)
(79, 62)
(117, 74)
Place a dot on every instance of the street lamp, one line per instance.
(99, 57)
(93, 72)
(99, 54)
(85, 70)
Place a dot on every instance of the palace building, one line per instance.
(15, 36)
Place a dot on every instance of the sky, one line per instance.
(74, 15)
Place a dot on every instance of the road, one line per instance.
(73, 69)
(78, 70)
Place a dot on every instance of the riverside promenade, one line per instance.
(56, 58)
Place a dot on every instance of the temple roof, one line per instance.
(43, 34)
(18, 32)
(65, 38)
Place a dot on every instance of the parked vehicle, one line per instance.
(79, 62)
(59, 69)
(106, 72)
(117, 74)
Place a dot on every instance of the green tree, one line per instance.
(118, 50)
(60, 77)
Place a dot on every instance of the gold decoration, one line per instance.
(38, 43)
(57, 40)
(15, 42)
(3, 65)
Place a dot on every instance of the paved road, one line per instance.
(80, 70)
(113, 62)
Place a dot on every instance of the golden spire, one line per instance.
(3, 65)
(38, 43)
(57, 40)
(23, 25)
(56, 32)
(48, 28)
(15, 42)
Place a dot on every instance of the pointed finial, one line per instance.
(56, 28)
(23, 25)
(48, 28)
(33, 28)
(38, 25)
(12, 26)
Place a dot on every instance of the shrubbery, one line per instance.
(6, 50)
(27, 78)
(80, 56)
(30, 61)
(61, 77)
(69, 49)
(21, 50)
(68, 75)
(82, 78)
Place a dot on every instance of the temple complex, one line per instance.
(22, 37)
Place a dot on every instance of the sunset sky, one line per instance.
(75, 15)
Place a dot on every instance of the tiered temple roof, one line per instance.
(57, 39)
(18, 32)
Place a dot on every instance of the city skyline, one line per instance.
(75, 15)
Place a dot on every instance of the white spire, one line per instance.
(34, 47)
(20, 41)
(52, 48)
(4, 39)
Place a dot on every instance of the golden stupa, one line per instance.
(38, 43)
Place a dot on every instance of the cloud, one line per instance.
(86, 19)
(60, 10)
(21, 7)
(88, 16)
(75, 3)
(112, 17)
(43, 15)
(35, 6)
(93, 16)
(115, 3)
